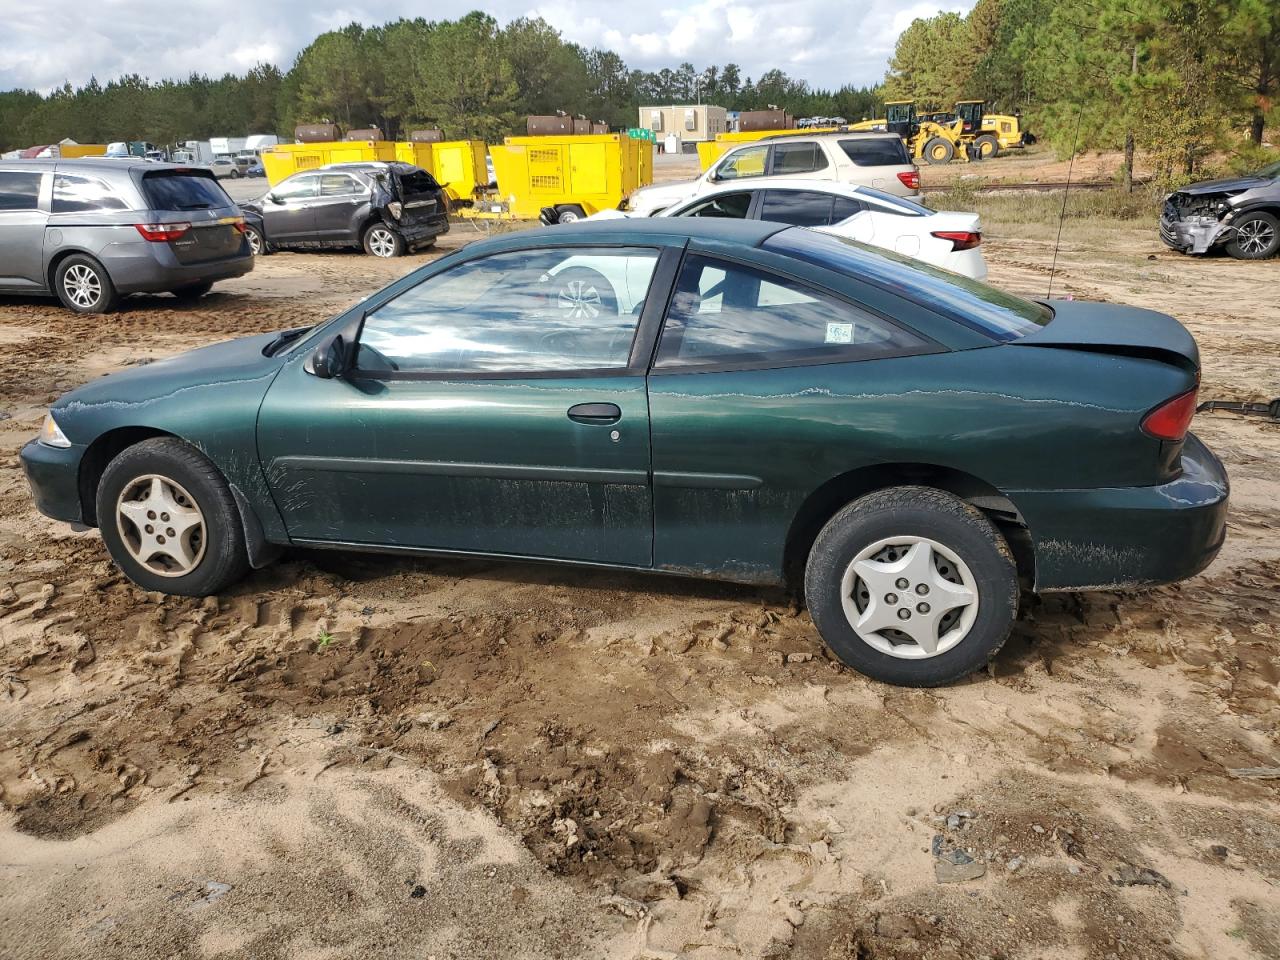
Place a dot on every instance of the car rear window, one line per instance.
(183, 190)
(899, 205)
(999, 315)
(417, 181)
(876, 152)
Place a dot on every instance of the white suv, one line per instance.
(876, 160)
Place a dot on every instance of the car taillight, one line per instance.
(241, 226)
(910, 180)
(960, 239)
(1170, 420)
(160, 232)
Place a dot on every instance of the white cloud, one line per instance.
(827, 42)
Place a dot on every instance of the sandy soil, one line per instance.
(354, 756)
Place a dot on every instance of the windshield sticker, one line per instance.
(839, 333)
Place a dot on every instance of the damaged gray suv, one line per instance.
(1242, 214)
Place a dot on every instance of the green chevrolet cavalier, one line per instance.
(738, 400)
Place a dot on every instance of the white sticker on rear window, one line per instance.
(839, 333)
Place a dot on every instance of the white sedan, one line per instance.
(944, 239)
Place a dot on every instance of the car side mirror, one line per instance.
(274, 198)
(329, 359)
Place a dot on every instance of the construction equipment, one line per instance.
(572, 175)
(285, 159)
(926, 139)
(458, 165)
(988, 132)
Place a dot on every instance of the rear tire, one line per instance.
(83, 285)
(571, 213)
(1257, 236)
(383, 242)
(939, 150)
(173, 481)
(944, 550)
(987, 147)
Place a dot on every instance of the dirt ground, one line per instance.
(366, 757)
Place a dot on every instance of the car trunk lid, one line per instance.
(420, 195)
(1115, 329)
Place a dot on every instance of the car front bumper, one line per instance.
(53, 473)
(1195, 234)
(1130, 536)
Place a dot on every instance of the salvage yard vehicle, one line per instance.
(1241, 214)
(383, 208)
(949, 240)
(91, 231)
(906, 446)
(877, 160)
(225, 167)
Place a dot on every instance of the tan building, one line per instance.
(690, 122)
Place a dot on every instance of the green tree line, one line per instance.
(470, 77)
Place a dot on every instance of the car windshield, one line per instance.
(182, 190)
(1270, 170)
(999, 315)
(906, 207)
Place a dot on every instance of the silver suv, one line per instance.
(876, 160)
(91, 231)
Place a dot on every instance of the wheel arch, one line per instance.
(110, 444)
(827, 500)
(62, 254)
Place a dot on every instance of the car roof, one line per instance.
(785, 183)
(747, 232)
(835, 135)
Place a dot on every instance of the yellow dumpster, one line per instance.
(285, 159)
(578, 174)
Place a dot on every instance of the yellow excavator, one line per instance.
(926, 139)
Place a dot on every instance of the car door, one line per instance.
(741, 402)
(287, 209)
(22, 224)
(497, 406)
(334, 208)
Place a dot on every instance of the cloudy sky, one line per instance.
(827, 42)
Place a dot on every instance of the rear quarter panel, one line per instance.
(1018, 419)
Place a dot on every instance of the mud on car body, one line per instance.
(383, 207)
(1242, 214)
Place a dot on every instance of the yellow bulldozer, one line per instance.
(926, 138)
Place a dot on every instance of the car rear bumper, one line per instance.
(425, 230)
(1130, 536)
(53, 473)
(144, 267)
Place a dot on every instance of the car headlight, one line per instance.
(51, 434)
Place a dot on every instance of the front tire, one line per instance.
(169, 521)
(1257, 236)
(987, 147)
(912, 586)
(383, 242)
(939, 150)
(570, 213)
(583, 293)
(257, 242)
(83, 285)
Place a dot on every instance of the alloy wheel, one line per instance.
(382, 242)
(909, 597)
(580, 300)
(1255, 236)
(82, 285)
(161, 525)
(255, 242)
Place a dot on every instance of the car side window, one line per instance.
(846, 207)
(297, 188)
(72, 194)
(746, 162)
(876, 152)
(790, 158)
(732, 206)
(19, 191)
(339, 185)
(751, 317)
(530, 311)
(800, 208)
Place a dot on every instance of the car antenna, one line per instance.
(1066, 190)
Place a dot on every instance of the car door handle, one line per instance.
(601, 413)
